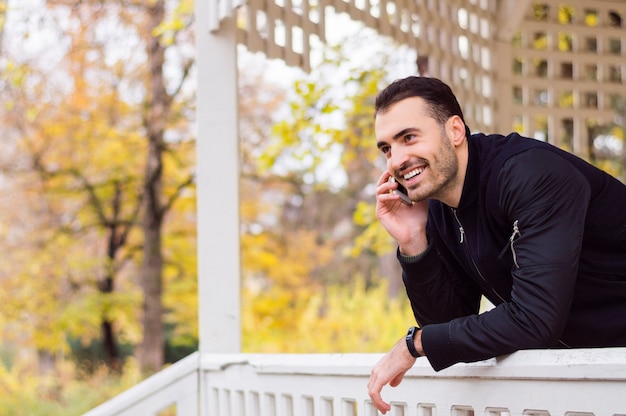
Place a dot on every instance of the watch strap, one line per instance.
(410, 341)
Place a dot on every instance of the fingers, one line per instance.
(384, 189)
(374, 390)
(384, 186)
(389, 370)
(374, 387)
(384, 178)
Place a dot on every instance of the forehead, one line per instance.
(411, 112)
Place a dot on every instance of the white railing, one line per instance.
(535, 383)
(176, 385)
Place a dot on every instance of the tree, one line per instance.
(307, 203)
(83, 124)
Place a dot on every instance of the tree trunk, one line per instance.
(151, 350)
(111, 351)
(116, 240)
(390, 267)
(109, 343)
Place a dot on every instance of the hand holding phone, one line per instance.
(405, 225)
(401, 190)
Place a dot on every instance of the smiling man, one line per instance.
(537, 231)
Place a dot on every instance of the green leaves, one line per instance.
(311, 242)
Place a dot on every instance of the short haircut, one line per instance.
(441, 101)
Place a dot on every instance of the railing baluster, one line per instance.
(528, 383)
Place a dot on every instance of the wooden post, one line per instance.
(217, 148)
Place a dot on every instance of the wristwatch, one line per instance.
(410, 341)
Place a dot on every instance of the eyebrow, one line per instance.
(398, 135)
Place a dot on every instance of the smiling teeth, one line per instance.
(413, 173)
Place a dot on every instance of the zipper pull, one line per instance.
(516, 232)
(461, 230)
(512, 239)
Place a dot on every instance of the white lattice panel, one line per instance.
(490, 51)
(220, 10)
(568, 71)
(282, 29)
(454, 39)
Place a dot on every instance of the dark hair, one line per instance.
(442, 103)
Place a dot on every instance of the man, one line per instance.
(537, 231)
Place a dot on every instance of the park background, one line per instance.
(98, 283)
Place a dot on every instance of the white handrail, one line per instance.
(176, 384)
(579, 382)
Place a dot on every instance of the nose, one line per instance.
(398, 159)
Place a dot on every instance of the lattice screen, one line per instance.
(453, 39)
(559, 78)
(569, 68)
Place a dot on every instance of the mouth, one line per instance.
(413, 173)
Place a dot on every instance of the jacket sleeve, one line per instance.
(435, 286)
(549, 198)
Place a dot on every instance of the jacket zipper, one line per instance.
(516, 233)
(469, 251)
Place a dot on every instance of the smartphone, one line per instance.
(401, 190)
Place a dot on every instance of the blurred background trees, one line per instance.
(102, 144)
(98, 281)
(98, 206)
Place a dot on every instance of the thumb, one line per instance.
(397, 379)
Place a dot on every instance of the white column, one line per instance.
(217, 185)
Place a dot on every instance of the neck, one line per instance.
(452, 195)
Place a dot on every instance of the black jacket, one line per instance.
(539, 232)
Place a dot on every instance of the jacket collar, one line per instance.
(472, 176)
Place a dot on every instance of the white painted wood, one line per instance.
(539, 382)
(554, 382)
(217, 186)
(220, 10)
(177, 384)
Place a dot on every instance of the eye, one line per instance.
(384, 148)
(409, 138)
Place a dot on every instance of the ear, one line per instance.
(455, 128)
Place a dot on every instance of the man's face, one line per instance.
(418, 150)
